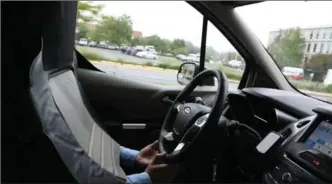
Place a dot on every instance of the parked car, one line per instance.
(148, 47)
(92, 44)
(293, 72)
(83, 41)
(168, 54)
(128, 50)
(151, 50)
(102, 44)
(112, 47)
(147, 54)
(193, 57)
(124, 48)
(135, 50)
(235, 63)
(181, 57)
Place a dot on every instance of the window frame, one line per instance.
(248, 76)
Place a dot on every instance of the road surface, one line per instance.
(117, 54)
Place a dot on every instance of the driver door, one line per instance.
(131, 95)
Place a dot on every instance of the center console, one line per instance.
(307, 151)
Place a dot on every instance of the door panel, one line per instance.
(132, 111)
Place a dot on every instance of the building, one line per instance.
(137, 34)
(317, 40)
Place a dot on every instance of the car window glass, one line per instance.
(296, 35)
(145, 41)
(221, 54)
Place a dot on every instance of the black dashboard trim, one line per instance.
(293, 103)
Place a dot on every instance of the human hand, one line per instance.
(159, 171)
(146, 155)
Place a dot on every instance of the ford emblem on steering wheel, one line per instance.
(187, 110)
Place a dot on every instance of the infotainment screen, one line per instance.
(321, 138)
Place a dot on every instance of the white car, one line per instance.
(235, 63)
(293, 72)
(112, 47)
(193, 57)
(83, 41)
(92, 44)
(181, 57)
(146, 54)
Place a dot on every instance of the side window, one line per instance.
(141, 40)
(221, 54)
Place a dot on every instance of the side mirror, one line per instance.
(187, 72)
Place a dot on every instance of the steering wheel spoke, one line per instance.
(169, 136)
(179, 147)
(185, 122)
(177, 106)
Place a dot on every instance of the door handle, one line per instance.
(133, 126)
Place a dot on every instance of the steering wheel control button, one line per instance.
(178, 107)
(179, 147)
(287, 177)
(169, 136)
(201, 120)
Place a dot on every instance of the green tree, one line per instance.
(319, 63)
(87, 11)
(162, 45)
(82, 30)
(136, 41)
(117, 30)
(287, 50)
(178, 43)
(191, 48)
(211, 53)
(180, 50)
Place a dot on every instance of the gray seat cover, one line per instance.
(90, 154)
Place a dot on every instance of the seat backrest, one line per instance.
(90, 154)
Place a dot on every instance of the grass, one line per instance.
(311, 86)
(174, 64)
(231, 74)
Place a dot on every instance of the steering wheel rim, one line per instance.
(205, 118)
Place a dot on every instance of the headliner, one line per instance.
(239, 3)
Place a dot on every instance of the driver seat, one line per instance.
(89, 153)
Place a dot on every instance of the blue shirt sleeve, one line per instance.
(128, 157)
(139, 178)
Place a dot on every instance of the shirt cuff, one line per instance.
(128, 157)
(139, 178)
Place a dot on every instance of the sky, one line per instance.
(177, 19)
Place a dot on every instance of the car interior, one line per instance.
(63, 119)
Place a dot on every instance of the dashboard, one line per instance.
(305, 128)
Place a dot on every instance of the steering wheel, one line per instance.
(186, 122)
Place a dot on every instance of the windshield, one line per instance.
(298, 35)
